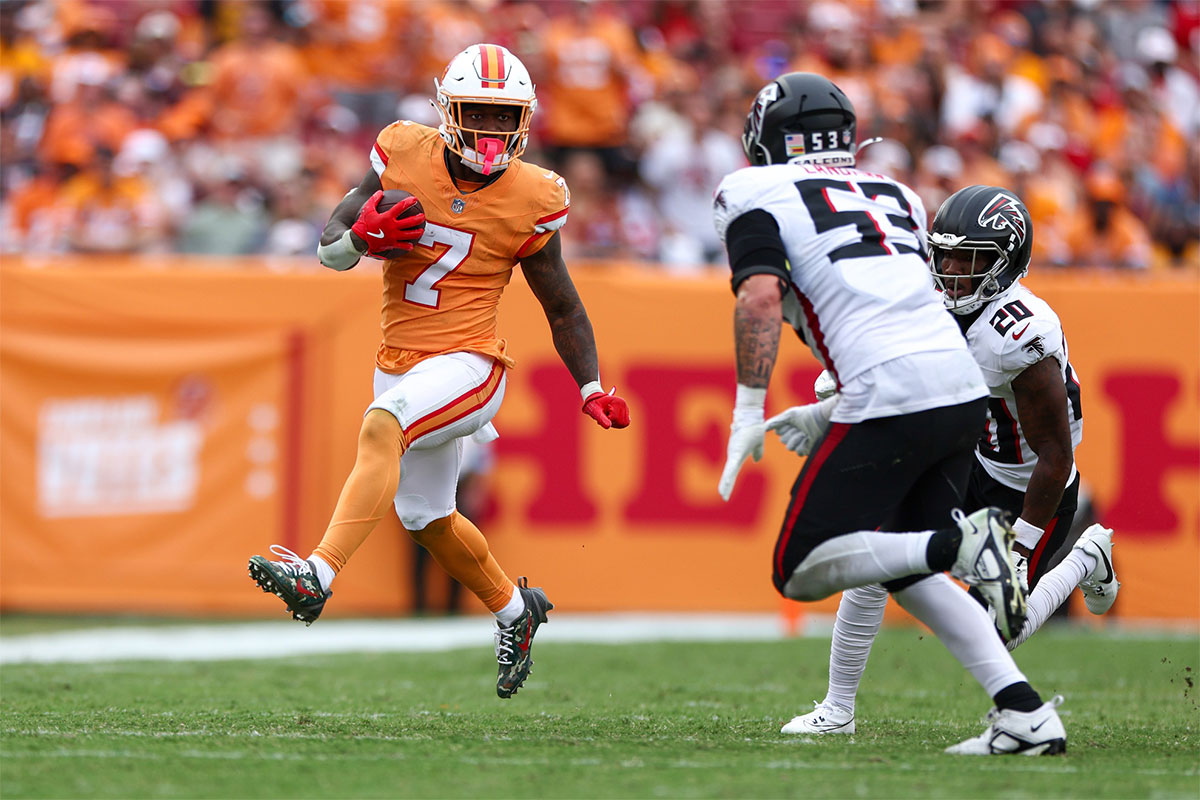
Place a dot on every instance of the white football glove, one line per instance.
(743, 443)
(745, 436)
(800, 427)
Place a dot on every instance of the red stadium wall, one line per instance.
(159, 426)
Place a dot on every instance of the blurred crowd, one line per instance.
(235, 126)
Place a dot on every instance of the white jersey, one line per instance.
(861, 296)
(1013, 332)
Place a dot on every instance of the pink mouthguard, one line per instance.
(489, 148)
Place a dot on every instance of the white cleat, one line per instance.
(1099, 586)
(985, 561)
(824, 718)
(1026, 733)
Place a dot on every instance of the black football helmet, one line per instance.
(989, 228)
(800, 114)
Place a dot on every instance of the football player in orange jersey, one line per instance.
(440, 370)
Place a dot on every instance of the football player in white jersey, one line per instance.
(840, 255)
(980, 247)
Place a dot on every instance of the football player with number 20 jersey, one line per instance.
(840, 255)
(441, 368)
(980, 247)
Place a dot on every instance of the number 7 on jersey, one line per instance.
(421, 290)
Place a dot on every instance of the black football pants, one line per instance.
(902, 473)
(984, 490)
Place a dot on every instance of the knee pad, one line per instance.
(823, 570)
(809, 582)
(805, 588)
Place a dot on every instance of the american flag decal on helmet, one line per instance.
(1004, 211)
(491, 67)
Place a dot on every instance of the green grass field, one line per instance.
(660, 720)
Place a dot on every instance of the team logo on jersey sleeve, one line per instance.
(1036, 347)
(1004, 212)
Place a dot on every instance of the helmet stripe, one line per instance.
(492, 66)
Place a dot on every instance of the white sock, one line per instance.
(859, 615)
(1052, 591)
(515, 608)
(964, 627)
(858, 559)
(325, 573)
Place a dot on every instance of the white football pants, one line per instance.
(439, 402)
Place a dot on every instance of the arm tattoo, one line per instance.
(757, 340)
(570, 327)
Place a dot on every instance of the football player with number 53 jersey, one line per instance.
(980, 247)
(440, 370)
(840, 255)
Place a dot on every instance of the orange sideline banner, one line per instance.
(158, 426)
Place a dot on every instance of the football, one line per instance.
(393, 196)
(389, 199)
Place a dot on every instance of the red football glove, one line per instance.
(385, 235)
(608, 410)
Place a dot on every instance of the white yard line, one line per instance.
(283, 639)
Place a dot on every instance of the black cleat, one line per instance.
(293, 580)
(513, 641)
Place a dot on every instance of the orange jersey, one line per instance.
(443, 296)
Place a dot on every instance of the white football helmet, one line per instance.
(485, 73)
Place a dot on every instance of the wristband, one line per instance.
(340, 255)
(1028, 535)
(748, 407)
(589, 389)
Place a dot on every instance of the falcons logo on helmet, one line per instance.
(767, 95)
(1004, 211)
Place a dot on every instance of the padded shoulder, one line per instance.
(401, 136)
(1030, 340)
(747, 189)
(1014, 332)
(542, 199)
(547, 193)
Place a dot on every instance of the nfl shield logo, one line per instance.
(458, 205)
